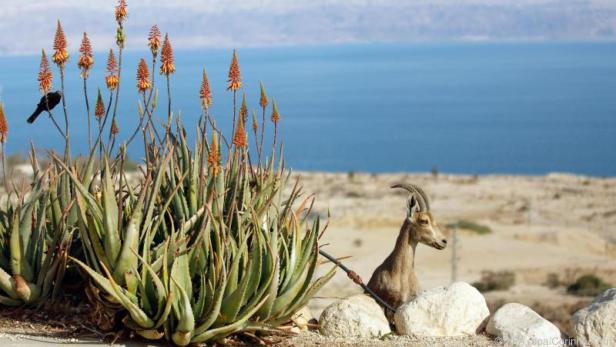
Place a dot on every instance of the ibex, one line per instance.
(394, 280)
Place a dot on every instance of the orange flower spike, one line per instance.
(205, 93)
(143, 76)
(111, 63)
(255, 124)
(45, 77)
(244, 109)
(4, 127)
(213, 158)
(263, 100)
(166, 57)
(114, 128)
(111, 79)
(121, 11)
(99, 111)
(275, 113)
(60, 55)
(154, 40)
(112, 82)
(235, 78)
(240, 139)
(86, 60)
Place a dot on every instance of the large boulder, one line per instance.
(595, 325)
(517, 325)
(456, 310)
(355, 316)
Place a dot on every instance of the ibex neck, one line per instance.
(403, 256)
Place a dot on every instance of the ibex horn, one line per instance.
(422, 197)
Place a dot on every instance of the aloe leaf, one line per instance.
(153, 192)
(235, 267)
(206, 322)
(307, 253)
(7, 284)
(295, 294)
(49, 276)
(36, 251)
(314, 288)
(186, 320)
(272, 289)
(6, 301)
(180, 274)
(17, 262)
(232, 303)
(227, 329)
(127, 260)
(135, 312)
(110, 217)
(202, 294)
(162, 317)
(93, 206)
(105, 283)
(286, 297)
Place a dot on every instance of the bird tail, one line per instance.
(34, 115)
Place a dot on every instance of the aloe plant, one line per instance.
(195, 255)
(33, 253)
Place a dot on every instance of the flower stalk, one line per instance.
(167, 67)
(275, 120)
(121, 13)
(45, 79)
(86, 60)
(234, 83)
(4, 131)
(60, 57)
(154, 42)
(99, 113)
(263, 103)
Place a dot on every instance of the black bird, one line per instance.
(51, 100)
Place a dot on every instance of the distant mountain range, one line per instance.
(28, 25)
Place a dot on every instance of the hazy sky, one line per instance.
(28, 25)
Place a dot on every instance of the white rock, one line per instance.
(595, 325)
(519, 326)
(355, 316)
(456, 310)
(302, 318)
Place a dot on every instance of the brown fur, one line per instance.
(394, 280)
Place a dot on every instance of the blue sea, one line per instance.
(523, 108)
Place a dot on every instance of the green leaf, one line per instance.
(110, 216)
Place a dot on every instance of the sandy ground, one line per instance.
(558, 223)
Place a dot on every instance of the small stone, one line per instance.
(302, 318)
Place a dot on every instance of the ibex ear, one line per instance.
(411, 207)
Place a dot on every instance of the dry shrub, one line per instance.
(552, 280)
(588, 285)
(495, 280)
